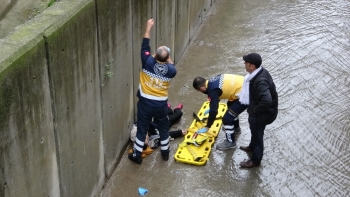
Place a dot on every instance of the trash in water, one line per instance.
(142, 191)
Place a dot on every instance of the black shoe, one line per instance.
(165, 154)
(137, 160)
(249, 164)
(246, 148)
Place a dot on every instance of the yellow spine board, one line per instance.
(190, 153)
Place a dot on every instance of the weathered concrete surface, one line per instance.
(117, 92)
(17, 12)
(189, 16)
(165, 25)
(143, 11)
(63, 126)
(5, 5)
(181, 28)
(196, 8)
(27, 144)
(75, 89)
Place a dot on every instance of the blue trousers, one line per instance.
(145, 115)
(257, 139)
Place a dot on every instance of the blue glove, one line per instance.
(206, 111)
(202, 130)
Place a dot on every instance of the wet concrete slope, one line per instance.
(305, 46)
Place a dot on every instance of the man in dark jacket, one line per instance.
(259, 92)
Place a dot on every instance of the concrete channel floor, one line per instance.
(172, 178)
(305, 52)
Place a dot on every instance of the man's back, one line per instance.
(155, 78)
(229, 84)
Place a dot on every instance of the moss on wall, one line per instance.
(15, 76)
(5, 102)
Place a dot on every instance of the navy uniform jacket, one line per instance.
(223, 86)
(155, 78)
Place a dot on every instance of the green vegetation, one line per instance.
(51, 2)
(108, 73)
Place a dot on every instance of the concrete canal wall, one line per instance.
(63, 124)
(5, 5)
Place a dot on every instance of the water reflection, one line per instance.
(305, 45)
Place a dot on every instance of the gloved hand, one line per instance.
(202, 130)
(206, 111)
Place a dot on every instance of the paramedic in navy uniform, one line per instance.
(155, 76)
(223, 86)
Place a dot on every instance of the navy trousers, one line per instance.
(145, 114)
(231, 116)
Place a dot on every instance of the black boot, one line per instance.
(165, 154)
(135, 157)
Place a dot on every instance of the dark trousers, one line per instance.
(231, 116)
(257, 139)
(145, 114)
(174, 117)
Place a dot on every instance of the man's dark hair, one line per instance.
(162, 54)
(198, 82)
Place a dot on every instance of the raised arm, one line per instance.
(145, 48)
(149, 25)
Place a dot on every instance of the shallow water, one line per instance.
(305, 45)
